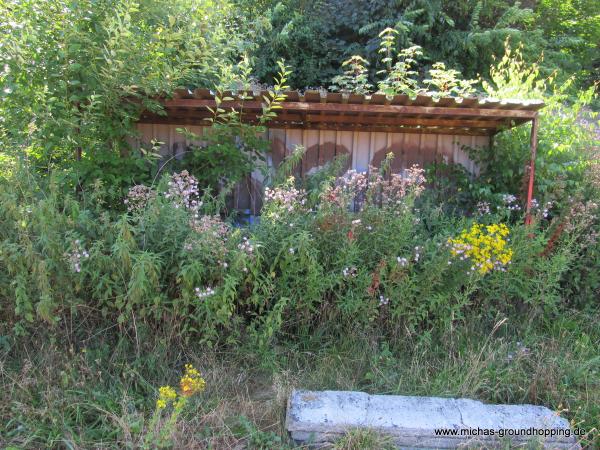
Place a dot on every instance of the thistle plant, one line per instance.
(483, 208)
(204, 293)
(76, 255)
(346, 190)
(184, 192)
(510, 203)
(209, 235)
(374, 188)
(283, 200)
(211, 226)
(393, 191)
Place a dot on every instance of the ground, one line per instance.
(100, 395)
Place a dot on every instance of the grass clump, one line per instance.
(363, 438)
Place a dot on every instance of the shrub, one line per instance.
(370, 251)
(77, 77)
(567, 135)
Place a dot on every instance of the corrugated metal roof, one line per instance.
(339, 111)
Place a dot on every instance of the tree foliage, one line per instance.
(76, 74)
(316, 36)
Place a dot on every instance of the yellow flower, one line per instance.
(484, 246)
(191, 382)
(166, 394)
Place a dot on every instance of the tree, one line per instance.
(77, 74)
(317, 36)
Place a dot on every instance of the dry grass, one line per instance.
(103, 396)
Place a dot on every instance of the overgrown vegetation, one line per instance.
(119, 272)
(76, 76)
(316, 36)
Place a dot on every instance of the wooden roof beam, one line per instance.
(360, 108)
(388, 129)
(175, 117)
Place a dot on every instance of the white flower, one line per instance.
(511, 202)
(483, 208)
(75, 255)
(203, 293)
(418, 253)
(349, 271)
(183, 189)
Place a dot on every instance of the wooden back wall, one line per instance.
(363, 148)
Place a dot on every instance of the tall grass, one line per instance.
(100, 392)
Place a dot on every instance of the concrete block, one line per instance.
(320, 417)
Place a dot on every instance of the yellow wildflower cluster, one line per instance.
(485, 245)
(166, 394)
(191, 383)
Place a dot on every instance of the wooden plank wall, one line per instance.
(363, 149)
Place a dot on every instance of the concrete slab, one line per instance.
(320, 417)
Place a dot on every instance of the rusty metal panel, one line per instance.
(177, 143)
(362, 147)
(322, 145)
(146, 134)
(396, 146)
(428, 149)
(445, 149)
(241, 194)
(162, 133)
(293, 138)
(198, 131)
(379, 148)
(460, 155)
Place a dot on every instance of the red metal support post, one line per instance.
(533, 147)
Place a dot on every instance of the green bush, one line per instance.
(76, 77)
(361, 251)
(567, 136)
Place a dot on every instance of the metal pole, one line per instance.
(533, 146)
